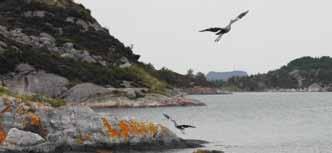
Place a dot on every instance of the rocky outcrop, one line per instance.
(27, 80)
(85, 92)
(74, 127)
(315, 87)
(48, 41)
(85, 25)
(64, 28)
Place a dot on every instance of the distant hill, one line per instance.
(213, 76)
(302, 74)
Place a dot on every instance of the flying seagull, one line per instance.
(221, 31)
(180, 127)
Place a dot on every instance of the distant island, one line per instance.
(224, 76)
(305, 74)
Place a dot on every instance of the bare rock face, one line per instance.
(28, 81)
(85, 92)
(315, 87)
(39, 14)
(24, 68)
(23, 138)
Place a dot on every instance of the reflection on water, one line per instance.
(251, 122)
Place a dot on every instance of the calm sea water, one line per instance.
(251, 122)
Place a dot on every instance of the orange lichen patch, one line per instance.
(35, 119)
(124, 129)
(111, 132)
(3, 135)
(137, 128)
(131, 128)
(152, 129)
(134, 127)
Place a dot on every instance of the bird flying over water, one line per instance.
(221, 31)
(180, 127)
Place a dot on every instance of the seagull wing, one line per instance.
(240, 16)
(188, 126)
(167, 116)
(215, 29)
(243, 14)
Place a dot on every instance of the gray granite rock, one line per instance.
(85, 92)
(46, 40)
(24, 68)
(38, 13)
(23, 138)
(27, 81)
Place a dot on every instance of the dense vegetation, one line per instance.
(299, 73)
(76, 71)
(177, 80)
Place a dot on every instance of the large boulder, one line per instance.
(24, 68)
(27, 81)
(85, 92)
(23, 138)
(315, 87)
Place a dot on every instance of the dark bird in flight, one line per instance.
(180, 127)
(221, 31)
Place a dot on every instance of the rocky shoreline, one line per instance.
(206, 91)
(150, 100)
(29, 81)
(28, 126)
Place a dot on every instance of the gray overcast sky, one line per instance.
(165, 32)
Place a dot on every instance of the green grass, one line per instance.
(34, 98)
(44, 99)
(4, 91)
(151, 82)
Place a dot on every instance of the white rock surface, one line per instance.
(23, 138)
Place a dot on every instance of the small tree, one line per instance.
(190, 73)
(200, 76)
